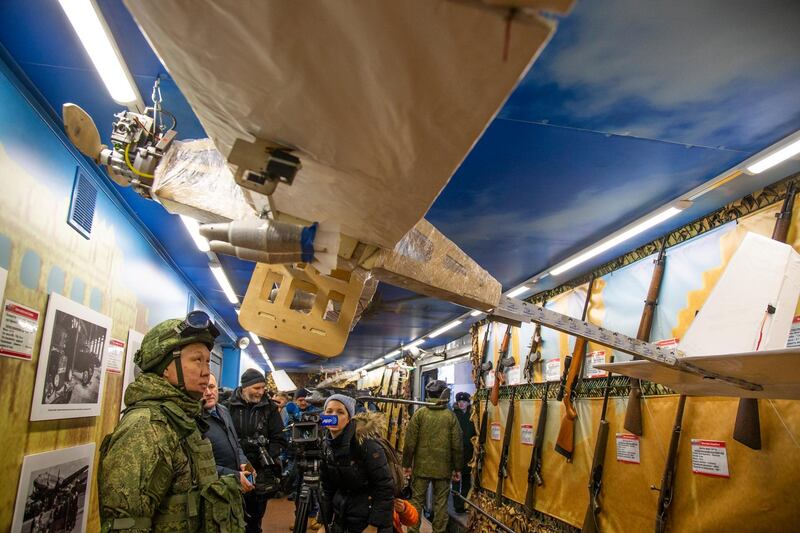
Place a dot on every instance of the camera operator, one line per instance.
(295, 411)
(358, 487)
(260, 431)
(228, 453)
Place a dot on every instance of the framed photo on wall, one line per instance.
(72, 361)
(54, 489)
(131, 370)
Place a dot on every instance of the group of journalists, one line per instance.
(183, 459)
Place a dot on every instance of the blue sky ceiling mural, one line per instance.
(630, 105)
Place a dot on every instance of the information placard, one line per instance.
(794, 333)
(513, 375)
(490, 378)
(3, 279)
(710, 458)
(592, 359)
(552, 369)
(495, 430)
(115, 350)
(526, 434)
(628, 448)
(18, 330)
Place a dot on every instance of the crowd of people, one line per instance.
(183, 459)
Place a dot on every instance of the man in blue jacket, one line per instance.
(228, 453)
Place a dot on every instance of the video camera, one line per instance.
(306, 434)
(268, 480)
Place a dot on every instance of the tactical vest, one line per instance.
(212, 503)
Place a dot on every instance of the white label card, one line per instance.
(18, 330)
(710, 458)
(495, 430)
(490, 378)
(526, 434)
(552, 370)
(513, 375)
(115, 350)
(794, 333)
(628, 448)
(592, 359)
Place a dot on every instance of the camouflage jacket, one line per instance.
(433, 443)
(146, 480)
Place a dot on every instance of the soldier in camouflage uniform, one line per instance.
(433, 446)
(157, 471)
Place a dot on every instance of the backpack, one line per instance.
(395, 466)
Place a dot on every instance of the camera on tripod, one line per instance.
(306, 432)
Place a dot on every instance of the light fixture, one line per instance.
(193, 227)
(415, 343)
(224, 284)
(242, 343)
(263, 352)
(776, 157)
(519, 290)
(93, 32)
(446, 327)
(379, 360)
(255, 338)
(623, 235)
(475, 313)
(392, 353)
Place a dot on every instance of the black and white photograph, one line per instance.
(72, 359)
(53, 491)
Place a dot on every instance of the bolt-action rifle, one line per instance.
(633, 413)
(392, 409)
(502, 471)
(598, 463)
(565, 443)
(747, 428)
(401, 413)
(667, 490)
(380, 387)
(535, 468)
(504, 361)
(486, 367)
(534, 354)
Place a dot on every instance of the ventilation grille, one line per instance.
(81, 206)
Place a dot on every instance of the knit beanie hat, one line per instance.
(348, 402)
(252, 376)
(300, 393)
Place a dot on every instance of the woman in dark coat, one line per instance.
(357, 484)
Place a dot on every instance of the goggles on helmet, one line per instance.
(195, 322)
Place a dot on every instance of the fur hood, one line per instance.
(369, 425)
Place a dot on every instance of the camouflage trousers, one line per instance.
(441, 492)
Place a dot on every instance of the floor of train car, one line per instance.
(280, 517)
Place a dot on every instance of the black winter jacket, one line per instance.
(224, 441)
(252, 420)
(357, 484)
(467, 432)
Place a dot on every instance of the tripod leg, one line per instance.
(316, 497)
(301, 514)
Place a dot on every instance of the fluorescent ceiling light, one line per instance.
(266, 356)
(193, 227)
(270, 365)
(519, 290)
(446, 327)
(779, 156)
(621, 237)
(224, 284)
(255, 338)
(475, 313)
(415, 343)
(85, 17)
(392, 353)
(379, 360)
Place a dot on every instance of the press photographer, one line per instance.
(260, 429)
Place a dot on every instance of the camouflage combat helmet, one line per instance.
(164, 341)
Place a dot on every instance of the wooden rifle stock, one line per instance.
(500, 373)
(633, 413)
(667, 489)
(481, 452)
(502, 471)
(565, 443)
(535, 468)
(747, 428)
(534, 354)
(598, 464)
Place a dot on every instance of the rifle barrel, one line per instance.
(394, 400)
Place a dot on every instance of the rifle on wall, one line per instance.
(380, 387)
(573, 368)
(534, 354)
(485, 368)
(598, 463)
(502, 471)
(535, 468)
(504, 361)
(747, 428)
(392, 409)
(633, 413)
(667, 490)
